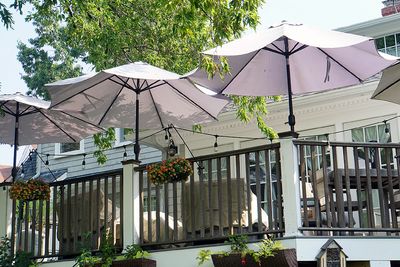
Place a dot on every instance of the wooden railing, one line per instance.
(237, 192)
(349, 188)
(78, 215)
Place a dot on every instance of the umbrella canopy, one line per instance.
(117, 97)
(26, 120)
(389, 86)
(294, 59)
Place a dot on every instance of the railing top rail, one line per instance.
(346, 144)
(225, 154)
(87, 178)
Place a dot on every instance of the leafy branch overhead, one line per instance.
(104, 34)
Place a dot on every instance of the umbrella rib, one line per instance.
(282, 52)
(234, 77)
(155, 106)
(294, 47)
(341, 65)
(113, 101)
(124, 83)
(387, 87)
(22, 113)
(190, 100)
(10, 112)
(298, 49)
(81, 91)
(272, 50)
(84, 121)
(150, 87)
(55, 124)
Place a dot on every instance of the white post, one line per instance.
(131, 202)
(4, 211)
(290, 186)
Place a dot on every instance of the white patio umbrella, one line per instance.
(117, 97)
(293, 59)
(26, 120)
(389, 86)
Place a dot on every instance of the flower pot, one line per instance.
(285, 257)
(134, 263)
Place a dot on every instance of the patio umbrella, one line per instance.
(117, 97)
(26, 120)
(389, 86)
(293, 59)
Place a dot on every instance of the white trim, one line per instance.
(118, 142)
(58, 154)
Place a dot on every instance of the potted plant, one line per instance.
(34, 189)
(169, 171)
(270, 253)
(134, 256)
(20, 259)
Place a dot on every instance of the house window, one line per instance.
(318, 155)
(373, 134)
(389, 44)
(63, 149)
(123, 136)
(262, 176)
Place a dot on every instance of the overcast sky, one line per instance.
(325, 14)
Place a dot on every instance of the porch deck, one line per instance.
(351, 189)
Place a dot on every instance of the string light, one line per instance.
(166, 136)
(22, 171)
(84, 161)
(172, 149)
(216, 143)
(30, 155)
(328, 148)
(47, 160)
(387, 130)
(125, 155)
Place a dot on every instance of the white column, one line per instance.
(290, 187)
(5, 202)
(130, 203)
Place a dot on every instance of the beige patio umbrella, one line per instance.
(389, 86)
(27, 120)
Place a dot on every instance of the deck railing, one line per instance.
(349, 188)
(78, 215)
(229, 193)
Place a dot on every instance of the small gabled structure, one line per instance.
(331, 255)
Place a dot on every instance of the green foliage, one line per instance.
(135, 252)
(249, 107)
(103, 142)
(204, 256)
(21, 258)
(238, 245)
(86, 259)
(6, 259)
(107, 250)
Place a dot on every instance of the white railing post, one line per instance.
(290, 186)
(131, 196)
(5, 211)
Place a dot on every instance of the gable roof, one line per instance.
(326, 246)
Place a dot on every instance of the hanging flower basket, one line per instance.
(30, 190)
(169, 171)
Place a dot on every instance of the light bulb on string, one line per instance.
(125, 155)
(166, 136)
(30, 155)
(22, 171)
(172, 148)
(328, 148)
(387, 130)
(84, 161)
(216, 143)
(47, 160)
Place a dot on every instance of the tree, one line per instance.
(166, 33)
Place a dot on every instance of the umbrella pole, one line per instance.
(291, 117)
(16, 126)
(136, 147)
